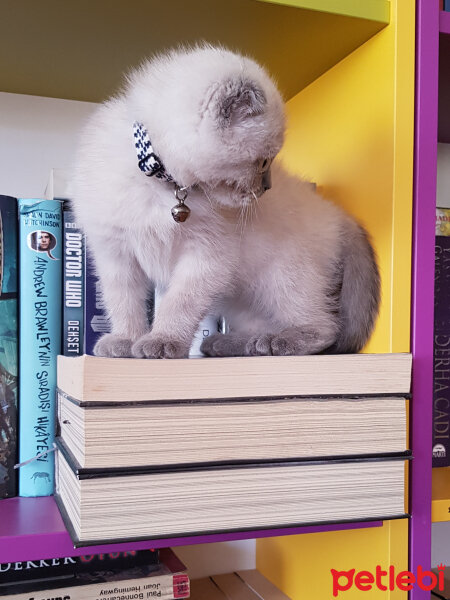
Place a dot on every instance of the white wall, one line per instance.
(39, 134)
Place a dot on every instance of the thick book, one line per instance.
(119, 434)
(441, 362)
(67, 568)
(40, 274)
(8, 346)
(105, 380)
(73, 286)
(106, 506)
(167, 580)
(241, 585)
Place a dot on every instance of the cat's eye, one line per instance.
(264, 165)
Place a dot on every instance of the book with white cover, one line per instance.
(104, 380)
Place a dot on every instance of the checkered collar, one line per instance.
(148, 162)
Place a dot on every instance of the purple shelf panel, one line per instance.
(425, 159)
(32, 529)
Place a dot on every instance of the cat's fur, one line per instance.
(291, 272)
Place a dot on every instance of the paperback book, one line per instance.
(8, 346)
(441, 379)
(105, 380)
(40, 270)
(166, 580)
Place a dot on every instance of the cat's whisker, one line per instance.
(208, 197)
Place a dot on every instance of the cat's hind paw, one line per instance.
(150, 346)
(113, 346)
(281, 344)
(221, 344)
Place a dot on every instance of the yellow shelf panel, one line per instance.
(375, 10)
(301, 565)
(440, 505)
(79, 49)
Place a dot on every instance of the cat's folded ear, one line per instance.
(237, 100)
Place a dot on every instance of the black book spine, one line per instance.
(73, 287)
(8, 345)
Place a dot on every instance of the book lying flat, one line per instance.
(96, 379)
(69, 567)
(169, 433)
(131, 504)
(167, 581)
(242, 585)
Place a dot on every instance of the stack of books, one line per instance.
(157, 449)
(140, 574)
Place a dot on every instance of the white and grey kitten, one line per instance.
(291, 272)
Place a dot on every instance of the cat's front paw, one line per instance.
(150, 346)
(113, 346)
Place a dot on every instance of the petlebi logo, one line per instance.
(389, 579)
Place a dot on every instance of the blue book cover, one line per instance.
(73, 287)
(40, 275)
(447, 5)
(8, 346)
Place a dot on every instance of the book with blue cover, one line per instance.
(8, 346)
(40, 275)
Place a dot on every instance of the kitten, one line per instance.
(291, 272)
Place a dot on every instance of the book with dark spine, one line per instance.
(441, 379)
(73, 286)
(8, 346)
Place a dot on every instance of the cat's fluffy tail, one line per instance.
(360, 291)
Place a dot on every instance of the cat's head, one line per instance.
(215, 118)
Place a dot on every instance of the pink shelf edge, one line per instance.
(32, 529)
(444, 21)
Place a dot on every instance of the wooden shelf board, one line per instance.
(440, 505)
(32, 529)
(79, 49)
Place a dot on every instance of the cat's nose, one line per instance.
(266, 181)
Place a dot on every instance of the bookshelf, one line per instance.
(351, 128)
